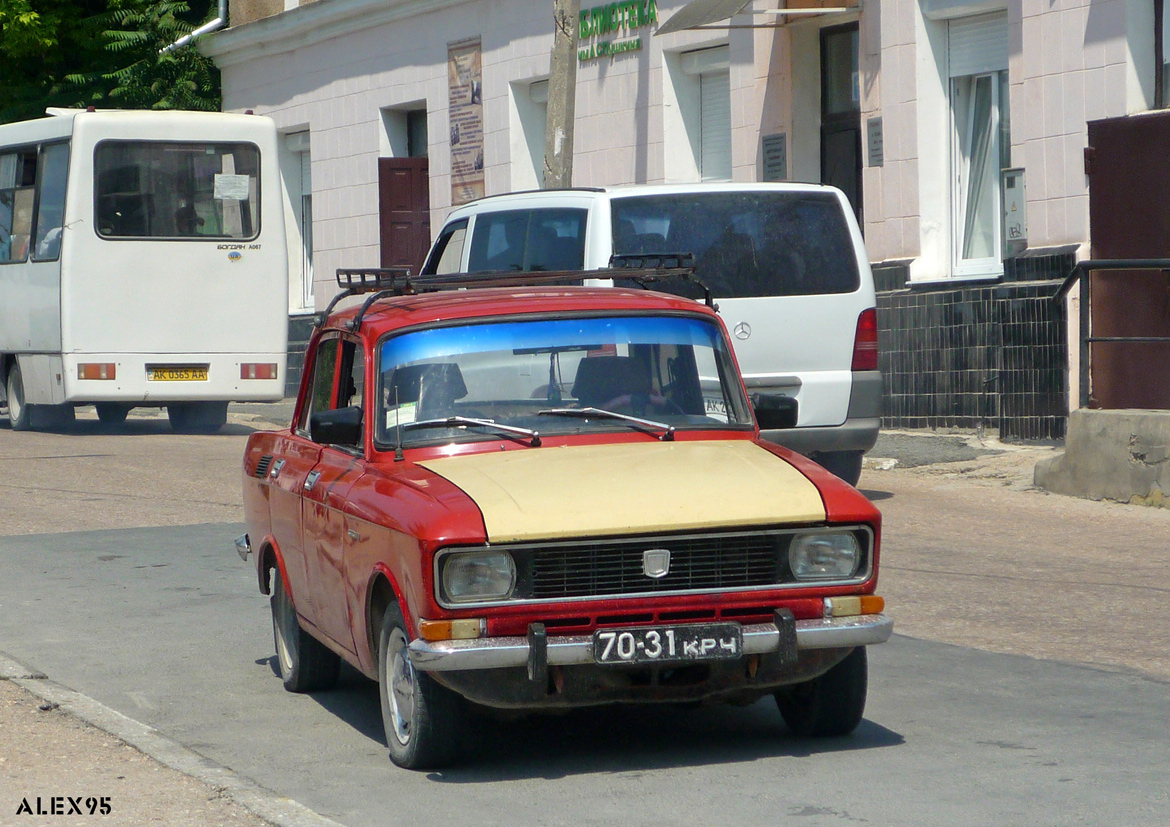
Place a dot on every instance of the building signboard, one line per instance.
(613, 22)
(465, 115)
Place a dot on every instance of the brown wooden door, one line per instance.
(1129, 217)
(404, 204)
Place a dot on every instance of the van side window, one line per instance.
(746, 244)
(18, 177)
(528, 240)
(447, 254)
(51, 204)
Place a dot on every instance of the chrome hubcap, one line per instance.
(401, 687)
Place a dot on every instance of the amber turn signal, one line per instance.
(463, 629)
(866, 604)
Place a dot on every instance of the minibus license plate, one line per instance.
(669, 644)
(187, 373)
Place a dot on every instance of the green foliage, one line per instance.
(104, 53)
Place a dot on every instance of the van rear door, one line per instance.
(787, 267)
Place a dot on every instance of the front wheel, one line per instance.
(830, 705)
(306, 665)
(424, 722)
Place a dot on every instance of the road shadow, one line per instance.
(610, 739)
(137, 427)
(624, 739)
(876, 496)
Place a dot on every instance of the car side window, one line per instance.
(447, 254)
(321, 394)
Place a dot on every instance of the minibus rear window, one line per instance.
(157, 189)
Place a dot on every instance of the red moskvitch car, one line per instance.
(527, 495)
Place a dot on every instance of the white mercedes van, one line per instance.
(785, 263)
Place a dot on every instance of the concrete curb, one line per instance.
(276, 809)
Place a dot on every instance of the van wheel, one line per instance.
(425, 723)
(843, 464)
(830, 705)
(112, 413)
(19, 414)
(306, 665)
(197, 417)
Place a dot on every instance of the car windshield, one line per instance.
(675, 371)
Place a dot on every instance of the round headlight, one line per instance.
(472, 576)
(824, 556)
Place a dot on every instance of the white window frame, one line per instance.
(963, 137)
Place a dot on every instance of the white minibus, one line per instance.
(142, 263)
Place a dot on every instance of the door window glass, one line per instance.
(51, 206)
(321, 391)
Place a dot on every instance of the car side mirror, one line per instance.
(342, 426)
(774, 412)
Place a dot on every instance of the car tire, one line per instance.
(425, 723)
(197, 417)
(306, 665)
(19, 413)
(831, 705)
(843, 464)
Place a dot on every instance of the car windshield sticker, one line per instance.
(402, 415)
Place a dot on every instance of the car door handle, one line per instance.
(353, 535)
(311, 480)
(276, 468)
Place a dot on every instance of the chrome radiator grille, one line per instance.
(696, 563)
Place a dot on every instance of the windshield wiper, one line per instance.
(519, 434)
(647, 425)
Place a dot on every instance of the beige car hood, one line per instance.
(633, 488)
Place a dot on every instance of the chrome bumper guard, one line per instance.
(573, 650)
(243, 547)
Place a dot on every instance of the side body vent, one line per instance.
(262, 466)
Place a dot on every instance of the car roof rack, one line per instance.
(643, 269)
(381, 281)
(647, 268)
(387, 282)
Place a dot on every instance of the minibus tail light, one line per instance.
(96, 370)
(865, 342)
(257, 370)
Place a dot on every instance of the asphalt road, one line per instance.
(164, 624)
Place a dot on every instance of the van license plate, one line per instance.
(186, 373)
(669, 644)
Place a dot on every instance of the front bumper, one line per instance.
(576, 650)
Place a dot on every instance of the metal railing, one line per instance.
(1078, 271)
